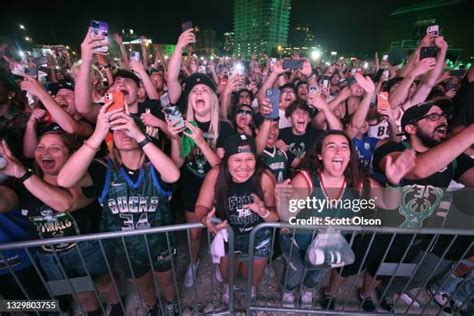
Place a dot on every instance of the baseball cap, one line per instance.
(198, 78)
(418, 111)
(239, 143)
(121, 73)
(53, 88)
(288, 85)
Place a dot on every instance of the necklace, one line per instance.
(323, 187)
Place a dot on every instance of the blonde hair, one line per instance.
(213, 132)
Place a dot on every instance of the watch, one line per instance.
(27, 175)
(144, 142)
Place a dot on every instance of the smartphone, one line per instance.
(174, 116)
(386, 74)
(293, 64)
(432, 30)
(382, 101)
(458, 73)
(313, 89)
(428, 52)
(118, 100)
(202, 69)
(135, 56)
(186, 25)
(32, 72)
(165, 100)
(451, 86)
(385, 57)
(100, 28)
(274, 96)
(325, 82)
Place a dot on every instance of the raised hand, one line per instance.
(13, 168)
(117, 39)
(186, 38)
(124, 122)
(441, 43)
(31, 85)
(91, 44)
(423, 66)
(196, 133)
(37, 116)
(395, 170)
(366, 83)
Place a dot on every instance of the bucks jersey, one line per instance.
(130, 205)
(277, 161)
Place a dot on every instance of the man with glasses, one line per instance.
(439, 160)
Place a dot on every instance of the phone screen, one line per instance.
(432, 30)
(382, 101)
(293, 64)
(100, 28)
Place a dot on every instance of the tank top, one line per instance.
(132, 205)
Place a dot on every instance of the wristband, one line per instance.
(28, 174)
(144, 142)
(391, 185)
(266, 214)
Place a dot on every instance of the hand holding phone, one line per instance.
(135, 56)
(293, 64)
(117, 99)
(428, 52)
(100, 28)
(186, 26)
(174, 116)
(382, 101)
(274, 96)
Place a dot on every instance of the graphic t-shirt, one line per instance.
(44, 222)
(299, 144)
(365, 148)
(242, 220)
(277, 161)
(423, 202)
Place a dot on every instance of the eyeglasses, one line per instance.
(435, 117)
(244, 112)
(288, 92)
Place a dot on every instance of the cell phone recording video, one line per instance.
(186, 26)
(293, 64)
(382, 101)
(428, 52)
(135, 56)
(274, 96)
(174, 116)
(432, 30)
(100, 28)
(117, 99)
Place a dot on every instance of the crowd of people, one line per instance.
(103, 145)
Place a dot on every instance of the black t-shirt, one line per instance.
(196, 165)
(298, 145)
(463, 101)
(423, 200)
(44, 222)
(154, 107)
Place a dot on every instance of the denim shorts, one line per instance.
(72, 264)
(262, 246)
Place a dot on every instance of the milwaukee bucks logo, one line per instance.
(418, 202)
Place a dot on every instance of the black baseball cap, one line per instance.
(413, 114)
(53, 88)
(198, 78)
(239, 143)
(121, 73)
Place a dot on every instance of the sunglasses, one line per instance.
(244, 112)
(435, 117)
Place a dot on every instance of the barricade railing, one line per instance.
(418, 265)
(203, 295)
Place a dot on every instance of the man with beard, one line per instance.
(438, 161)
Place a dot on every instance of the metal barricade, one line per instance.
(202, 297)
(413, 273)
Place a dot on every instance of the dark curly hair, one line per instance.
(355, 176)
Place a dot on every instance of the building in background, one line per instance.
(205, 41)
(229, 43)
(260, 25)
(301, 36)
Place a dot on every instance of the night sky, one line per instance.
(345, 26)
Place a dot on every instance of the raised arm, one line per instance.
(330, 120)
(226, 97)
(58, 114)
(174, 66)
(150, 89)
(123, 51)
(262, 136)
(30, 139)
(271, 79)
(83, 88)
(360, 113)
